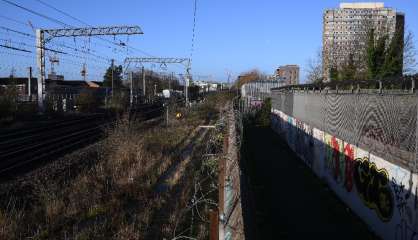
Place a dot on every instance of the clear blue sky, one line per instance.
(234, 35)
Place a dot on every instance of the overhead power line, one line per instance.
(36, 13)
(68, 25)
(56, 44)
(14, 48)
(85, 23)
(14, 20)
(78, 20)
(193, 33)
(18, 32)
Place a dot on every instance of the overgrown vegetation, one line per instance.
(383, 59)
(112, 190)
(114, 72)
(262, 116)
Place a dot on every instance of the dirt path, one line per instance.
(173, 174)
(290, 202)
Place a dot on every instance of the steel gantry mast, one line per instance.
(43, 36)
(163, 61)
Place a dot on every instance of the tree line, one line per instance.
(152, 80)
(383, 58)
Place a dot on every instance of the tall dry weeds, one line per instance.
(106, 191)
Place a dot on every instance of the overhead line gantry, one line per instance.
(163, 61)
(43, 36)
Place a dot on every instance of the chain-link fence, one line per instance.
(384, 124)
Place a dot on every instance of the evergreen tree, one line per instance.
(333, 73)
(393, 60)
(380, 55)
(117, 77)
(371, 56)
(348, 71)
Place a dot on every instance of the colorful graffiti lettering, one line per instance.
(309, 146)
(349, 167)
(372, 185)
(335, 159)
(328, 151)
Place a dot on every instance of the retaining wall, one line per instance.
(379, 189)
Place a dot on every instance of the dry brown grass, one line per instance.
(108, 191)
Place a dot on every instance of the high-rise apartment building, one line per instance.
(289, 74)
(346, 30)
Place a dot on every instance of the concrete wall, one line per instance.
(380, 192)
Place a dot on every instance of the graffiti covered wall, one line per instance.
(380, 192)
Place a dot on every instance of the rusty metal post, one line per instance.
(214, 225)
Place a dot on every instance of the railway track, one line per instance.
(25, 147)
(23, 150)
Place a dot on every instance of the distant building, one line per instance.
(206, 86)
(258, 89)
(288, 74)
(53, 86)
(54, 76)
(346, 30)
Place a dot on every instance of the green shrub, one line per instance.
(262, 116)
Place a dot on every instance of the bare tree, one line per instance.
(409, 55)
(250, 76)
(314, 68)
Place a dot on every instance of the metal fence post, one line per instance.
(380, 86)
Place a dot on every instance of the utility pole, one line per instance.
(84, 72)
(42, 40)
(166, 114)
(169, 80)
(40, 51)
(186, 89)
(187, 81)
(143, 81)
(112, 66)
(29, 83)
(165, 61)
(131, 92)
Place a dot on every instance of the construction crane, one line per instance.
(43, 36)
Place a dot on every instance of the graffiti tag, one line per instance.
(372, 185)
(349, 167)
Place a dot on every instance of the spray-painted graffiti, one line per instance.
(402, 196)
(334, 158)
(319, 151)
(373, 187)
(406, 203)
(349, 166)
(304, 142)
(308, 151)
